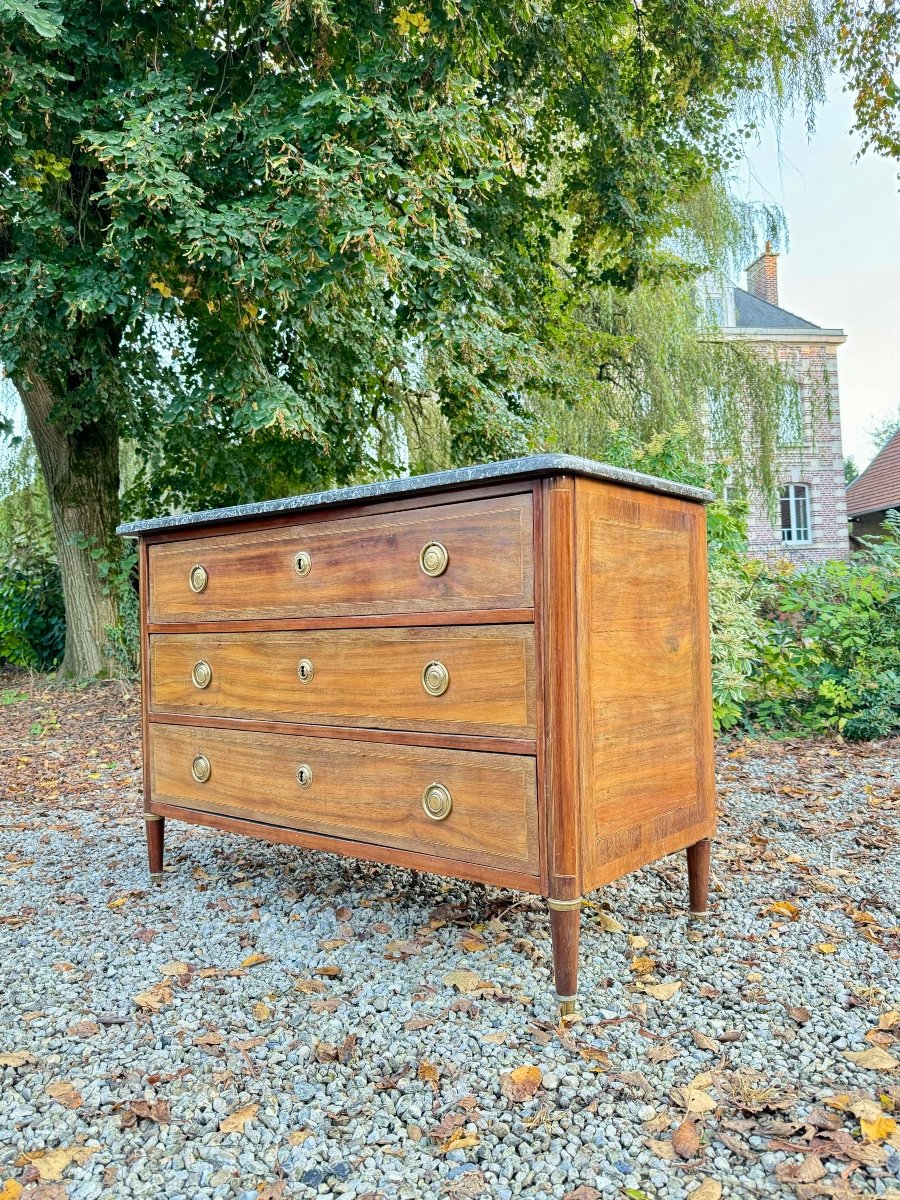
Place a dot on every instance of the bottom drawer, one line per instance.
(483, 806)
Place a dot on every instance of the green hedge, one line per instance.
(32, 614)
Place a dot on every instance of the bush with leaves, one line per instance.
(830, 660)
(32, 614)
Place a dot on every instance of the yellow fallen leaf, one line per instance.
(661, 991)
(467, 981)
(253, 960)
(889, 1020)
(261, 1012)
(309, 986)
(298, 1136)
(709, 1189)
(333, 944)
(637, 942)
(874, 1059)
(118, 903)
(826, 947)
(642, 964)
(236, 1121)
(11, 1190)
(784, 908)
(175, 967)
(50, 1164)
(842, 1102)
(154, 998)
(521, 1083)
(18, 1058)
(428, 1073)
(65, 1094)
(878, 1129)
(496, 1039)
(459, 1141)
(696, 1098)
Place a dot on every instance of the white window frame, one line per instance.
(799, 531)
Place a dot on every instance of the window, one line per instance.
(794, 505)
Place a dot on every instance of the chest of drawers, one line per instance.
(499, 674)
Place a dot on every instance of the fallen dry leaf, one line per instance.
(664, 1150)
(521, 1084)
(459, 1141)
(826, 947)
(703, 1042)
(237, 1121)
(709, 1189)
(873, 1059)
(83, 1029)
(154, 998)
(309, 986)
(254, 960)
(661, 991)
(467, 982)
(686, 1139)
(583, 1192)
(50, 1164)
(17, 1058)
(797, 1013)
(784, 908)
(298, 1136)
(877, 1129)
(261, 1012)
(428, 1073)
(11, 1190)
(63, 1093)
(809, 1170)
(155, 1110)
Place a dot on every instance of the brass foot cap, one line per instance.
(156, 876)
(698, 916)
(567, 1008)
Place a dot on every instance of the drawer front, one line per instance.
(366, 678)
(354, 566)
(365, 792)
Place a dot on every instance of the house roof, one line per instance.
(751, 312)
(878, 488)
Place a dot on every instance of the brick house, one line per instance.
(811, 513)
(877, 490)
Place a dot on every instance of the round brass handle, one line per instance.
(302, 563)
(304, 775)
(435, 678)
(200, 768)
(198, 578)
(437, 801)
(433, 558)
(201, 673)
(305, 670)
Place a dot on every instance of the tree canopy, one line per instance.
(271, 241)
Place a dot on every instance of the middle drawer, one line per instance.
(470, 679)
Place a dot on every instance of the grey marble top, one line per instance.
(513, 468)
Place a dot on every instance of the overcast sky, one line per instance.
(842, 265)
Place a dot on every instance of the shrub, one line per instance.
(830, 660)
(32, 614)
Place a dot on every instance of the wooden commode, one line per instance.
(499, 674)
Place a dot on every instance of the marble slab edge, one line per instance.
(513, 468)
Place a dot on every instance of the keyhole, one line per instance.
(304, 670)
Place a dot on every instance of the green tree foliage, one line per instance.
(868, 51)
(260, 237)
(882, 433)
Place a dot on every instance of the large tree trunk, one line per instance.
(81, 473)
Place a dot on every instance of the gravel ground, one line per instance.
(278, 1023)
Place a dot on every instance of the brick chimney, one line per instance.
(762, 276)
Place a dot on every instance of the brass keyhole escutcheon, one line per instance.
(437, 801)
(433, 558)
(201, 674)
(302, 563)
(435, 678)
(305, 670)
(304, 775)
(200, 768)
(198, 578)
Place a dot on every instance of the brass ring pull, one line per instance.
(305, 670)
(201, 674)
(304, 775)
(198, 578)
(200, 768)
(435, 678)
(437, 802)
(433, 558)
(302, 563)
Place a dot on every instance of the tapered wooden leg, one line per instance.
(565, 919)
(698, 876)
(155, 836)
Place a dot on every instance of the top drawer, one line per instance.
(388, 563)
